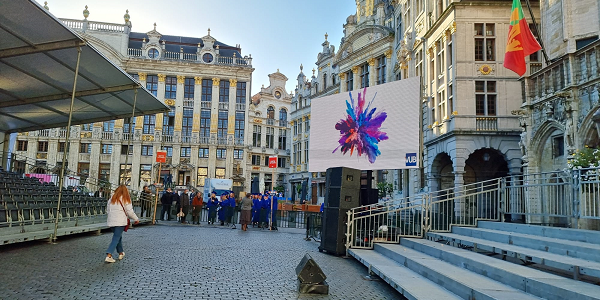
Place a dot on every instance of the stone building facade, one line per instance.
(269, 134)
(204, 81)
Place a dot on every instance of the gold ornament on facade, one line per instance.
(388, 53)
(342, 76)
(453, 28)
(147, 138)
(216, 81)
(198, 79)
(371, 62)
(142, 76)
(328, 64)
(86, 135)
(485, 69)
(303, 118)
(170, 102)
(308, 116)
(161, 77)
(180, 79)
(355, 69)
(232, 82)
(447, 34)
(336, 92)
(455, 113)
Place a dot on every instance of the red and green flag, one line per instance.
(521, 41)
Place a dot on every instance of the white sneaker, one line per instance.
(109, 260)
(121, 255)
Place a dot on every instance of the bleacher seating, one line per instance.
(26, 203)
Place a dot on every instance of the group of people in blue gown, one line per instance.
(264, 211)
(222, 208)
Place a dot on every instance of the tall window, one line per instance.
(61, 146)
(205, 122)
(221, 153)
(104, 172)
(206, 90)
(364, 76)
(349, 80)
(270, 112)
(185, 152)
(202, 175)
(419, 63)
(22, 145)
(146, 173)
(283, 117)
(240, 96)
(169, 150)
(127, 150)
(147, 150)
(238, 154)
(128, 125)
(188, 89)
(220, 173)
(485, 42)
(381, 68)
(399, 34)
(296, 128)
(442, 110)
(324, 81)
(256, 160)
(281, 162)
(440, 58)
(85, 148)
(270, 137)
(306, 151)
(125, 174)
(108, 126)
(152, 84)
(149, 122)
(187, 122)
(449, 58)
(106, 149)
(256, 135)
(170, 87)
(485, 98)
(87, 127)
(239, 125)
(203, 153)
(222, 124)
(282, 139)
(169, 123)
(307, 125)
(42, 146)
(84, 170)
(224, 91)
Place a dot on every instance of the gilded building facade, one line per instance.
(269, 134)
(204, 81)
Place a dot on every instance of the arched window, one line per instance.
(324, 81)
(270, 112)
(283, 114)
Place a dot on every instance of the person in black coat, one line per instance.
(185, 204)
(166, 200)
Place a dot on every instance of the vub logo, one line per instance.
(411, 159)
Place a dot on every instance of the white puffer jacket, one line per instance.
(116, 215)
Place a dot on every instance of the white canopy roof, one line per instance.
(38, 58)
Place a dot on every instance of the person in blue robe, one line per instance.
(265, 204)
(231, 214)
(223, 204)
(274, 212)
(212, 204)
(256, 207)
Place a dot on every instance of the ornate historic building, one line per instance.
(269, 134)
(560, 112)
(205, 82)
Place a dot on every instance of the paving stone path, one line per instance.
(172, 261)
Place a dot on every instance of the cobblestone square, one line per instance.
(172, 261)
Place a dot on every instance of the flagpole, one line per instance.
(538, 36)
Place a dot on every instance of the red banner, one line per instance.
(272, 162)
(161, 156)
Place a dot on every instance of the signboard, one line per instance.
(273, 162)
(374, 128)
(161, 156)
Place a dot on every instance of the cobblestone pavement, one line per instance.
(172, 261)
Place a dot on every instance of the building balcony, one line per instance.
(167, 138)
(240, 106)
(223, 106)
(283, 123)
(473, 124)
(204, 140)
(86, 25)
(270, 122)
(188, 103)
(205, 104)
(239, 142)
(107, 135)
(186, 139)
(222, 141)
(127, 136)
(44, 133)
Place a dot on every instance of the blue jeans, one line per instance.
(116, 242)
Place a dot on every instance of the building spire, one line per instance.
(154, 26)
(209, 31)
(46, 6)
(326, 35)
(301, 67)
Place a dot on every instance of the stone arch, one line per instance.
(484, 164)
(547, 150)
(587, 132)
(441, 172)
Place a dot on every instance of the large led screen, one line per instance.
(374, 128)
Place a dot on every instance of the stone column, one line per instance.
(115, 164)
(214, 118)
(389, 67)
(231, 128)
(356, 77)
(460, 204)
(342, 77)
(372, 71)
(160, 94)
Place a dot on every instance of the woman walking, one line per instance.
(118, 210)
(246, 217)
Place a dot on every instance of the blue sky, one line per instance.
(279, 34)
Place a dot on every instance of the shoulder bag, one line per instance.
(128, 221)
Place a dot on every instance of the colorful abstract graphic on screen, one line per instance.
(360, 130)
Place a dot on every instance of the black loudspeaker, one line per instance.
(333, 233)
(255, 188)
(368, 195)
(309, 272)
(342, 188)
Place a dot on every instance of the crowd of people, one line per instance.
(258, 210)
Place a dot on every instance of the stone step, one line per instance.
(567, 248)
(410, 284)
(573, 265)
(535, 282)
(579, 235)
(462, 282)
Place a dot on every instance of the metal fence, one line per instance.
(569, 198)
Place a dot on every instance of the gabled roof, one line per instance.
(38, 59)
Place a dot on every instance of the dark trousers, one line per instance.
(166, 209)
(212, 214)
(185, 210)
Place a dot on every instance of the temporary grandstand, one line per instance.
(52, 77)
